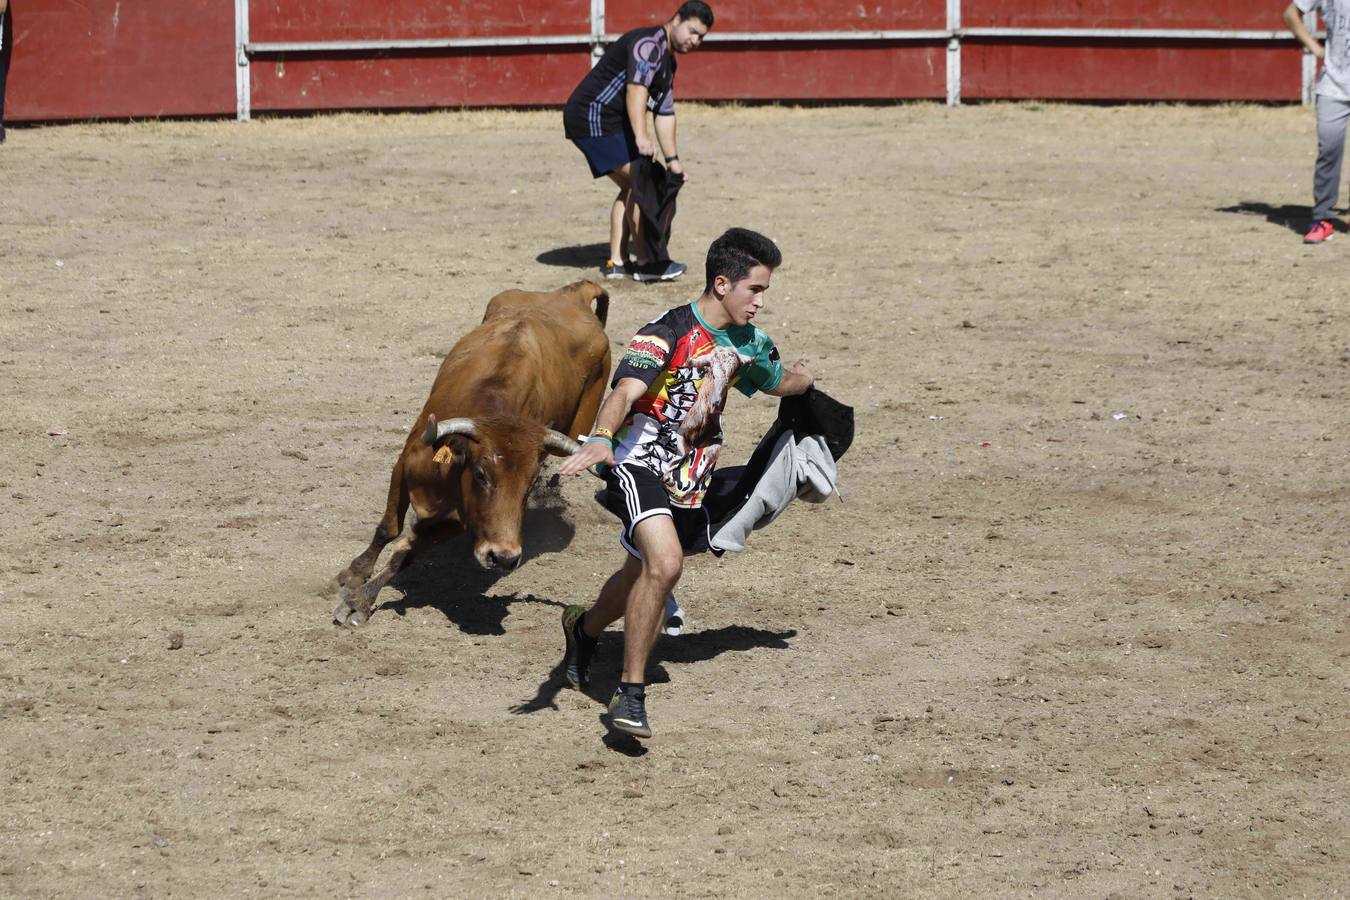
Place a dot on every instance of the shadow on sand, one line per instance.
(580, 256)
(687, 648)
(1295, 218)
(445, 576)
(692, 647)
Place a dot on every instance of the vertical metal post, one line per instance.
(597, 31)
(954, 53)
(1309, 61)
(242, 80)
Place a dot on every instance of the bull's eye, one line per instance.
(480, 478)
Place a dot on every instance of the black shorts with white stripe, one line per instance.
(634, 493)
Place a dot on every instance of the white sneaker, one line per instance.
(675, 618)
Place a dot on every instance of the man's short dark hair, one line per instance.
(695, 9)
(738, 251)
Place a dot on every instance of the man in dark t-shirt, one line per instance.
(606, 117)
(658, 435)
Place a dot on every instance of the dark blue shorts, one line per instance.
(608, 152)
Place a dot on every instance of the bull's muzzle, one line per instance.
(498, 558)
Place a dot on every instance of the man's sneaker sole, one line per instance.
(612, 271)
(669, 274)
(626, 726)
(1319, 232)
(577, 679)
(626, 722)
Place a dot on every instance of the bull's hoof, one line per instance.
(348, 615)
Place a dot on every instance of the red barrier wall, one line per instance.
(126, 58)
(76, 60)
(1084, 69)
(1233, 15)
(406, 80)
(421, 78)
(356, 20)
(1129, 70)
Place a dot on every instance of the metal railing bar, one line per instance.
(552, 40)
(929, 34)
(243, 98)
(1143, 34)
(936, 34)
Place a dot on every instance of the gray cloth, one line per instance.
(1332, 117)
(802, 469)
(1335, 79)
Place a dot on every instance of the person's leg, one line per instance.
(613, 600)
(619, 210)
(658, 542)
(636, 592)
(582, 626)
(661, 566)
(633, 220)
(1332, 116)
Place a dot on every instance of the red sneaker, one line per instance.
(1318, 232)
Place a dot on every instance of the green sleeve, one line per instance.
(764, 371)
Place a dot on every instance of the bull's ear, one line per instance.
(453, 452)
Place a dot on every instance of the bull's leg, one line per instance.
(359, 569)
(395, 508)
(355, 603)
(590, 403)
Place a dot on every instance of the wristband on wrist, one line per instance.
(671, 159)
(602, 431)
(597, 439)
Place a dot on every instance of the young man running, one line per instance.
(659, 434)
(606, 117)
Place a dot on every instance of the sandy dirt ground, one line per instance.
(1078, 626)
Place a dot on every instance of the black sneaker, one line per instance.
(664, 270)
(580, 648)
(628, 713)
(614, 271)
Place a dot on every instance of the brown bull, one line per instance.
(518, 386)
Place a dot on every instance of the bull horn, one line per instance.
(559, 444)
(437, 430)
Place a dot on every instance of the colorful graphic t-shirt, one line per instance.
(675, 429)
(599, 104)
(1334, 81)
